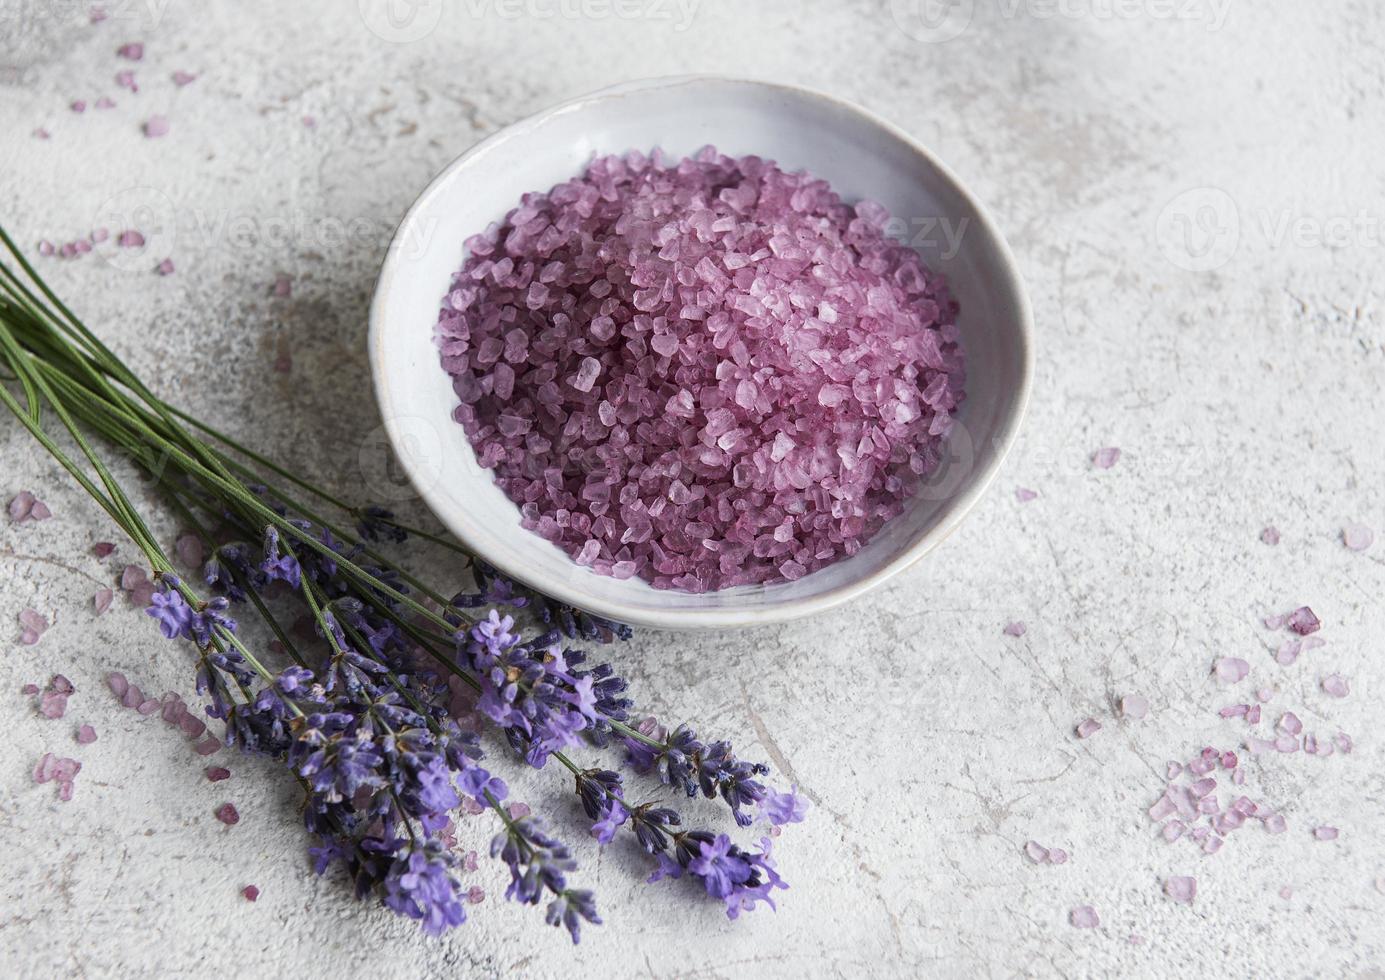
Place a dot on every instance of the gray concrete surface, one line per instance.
(1194, 192)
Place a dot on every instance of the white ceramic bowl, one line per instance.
(862, 156)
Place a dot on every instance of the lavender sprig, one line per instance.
(363, 723)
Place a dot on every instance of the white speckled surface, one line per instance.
(1230, 340)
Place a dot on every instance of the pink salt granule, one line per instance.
(1084, 917)
(1104, 459)
(1016, 628)
(1357, 537)
(705, 373)
(1181, 888)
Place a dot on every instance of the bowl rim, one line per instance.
(713, 617)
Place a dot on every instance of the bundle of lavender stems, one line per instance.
(360, 715)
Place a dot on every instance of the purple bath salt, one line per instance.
(705, 372)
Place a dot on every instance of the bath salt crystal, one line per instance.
(1104, 459)
(1016, 628)
(1335, 685)
(1325, 833)
(1084, 917)
(1087, 728)
(228, 814)
(1036, 852)
(154, 127)
(707, 344)
(1231, 670)
(1024, 495)
(1134, 706)
(1357, 537)
(1303, 621)
(1181, 889)
(1270, 535)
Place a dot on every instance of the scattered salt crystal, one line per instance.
(1181, 889)
(1104, 459)
(164, 268)
(1230, 670)
(1288, 652)
(1303, 621)
(1016, 628)
(1087, 727)
(1036, 852)
(129, 238)
(1163, 807)
(475, 895)
(1173, 830)
(208, 745)
(86, 735)
(1270, 535)
(1289, 723)
(78, 105)
(1263, 694)
(1211, 845)
(1134, 706)
(283, 286)
(216, 774)
(1343, 743)
(102, 600)
(189, 550)
(227, 814)
(33, 625)
(1057, 855)
(154, 127)
(105, 102)
(1286, 893)
(1024, 495)
(126, 79)
(131, 51)
(1084, 917)
(250, 892)
(1357, 537)
(1325, 833)
(181, 78)
(117, 683)
(1335, 685)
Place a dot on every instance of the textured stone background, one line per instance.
(1194, 192)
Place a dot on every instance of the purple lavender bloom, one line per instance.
(477, 782)
(783, 808)
(614, 815)
(423, 887)
(720, 868)
(282, 569)
(173, 614)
